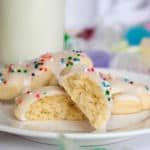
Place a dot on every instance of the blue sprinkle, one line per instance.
(62, 60)
(126, 80)
(76, 59)
(105, 84)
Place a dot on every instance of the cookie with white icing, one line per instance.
(128, 96)
(131, 102)
(17, 78)
(47, 103)
(67, 59)
(39, 72)
(131, 98)
(85, 89)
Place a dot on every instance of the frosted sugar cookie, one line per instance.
(132, 96)
(47, 103)
(128, 96)
(17, 78)
(85, 89)
(67, 59)
(9, 86)
(130, 102)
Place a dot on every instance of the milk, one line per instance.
(29, 28)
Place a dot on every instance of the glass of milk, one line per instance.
(29, 28)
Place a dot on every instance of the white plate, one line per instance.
(49, 132)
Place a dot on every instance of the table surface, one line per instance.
(12, 142)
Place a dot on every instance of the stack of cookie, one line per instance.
(65, 86)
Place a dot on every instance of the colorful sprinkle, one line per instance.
(28, 92)
(25, 71)
(69, 58)
(19, 70)
(77, 51)
(44, 93)
(147, 88)
(12, 71)
(41, 69)
(62, 60)
(45, 69)
(105, 84)
(37, 95)
(46, 57)
(90, 69)
(76, 59)
(105, 77)
(5, 82)
(27, 65)
(19, 101)
(106, 87)
(2, 79)
(109, 99)
(33, 74)
(128, 81)
(131, 82)
(107, 92)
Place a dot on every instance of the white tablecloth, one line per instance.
(11, 142)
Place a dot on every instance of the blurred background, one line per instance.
(115, 33)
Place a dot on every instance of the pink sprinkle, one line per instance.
(37, 95)
(27, 65)
(45, 69)
(19, 101)
(46, 56)
(90, 69)
(10, 67)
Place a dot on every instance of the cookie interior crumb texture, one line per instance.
(58, 107)
(88, 97)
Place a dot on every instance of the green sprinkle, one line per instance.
(67, 65)
(69, 57)
(78, 54)
(44, 93)
(12, 71)
(107, 92)
(0, 74)
(18, 70)
(36, 66)
(25, 71)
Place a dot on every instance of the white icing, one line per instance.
(30, 98)
(57, 66)
(122, 89)
(126, 97)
